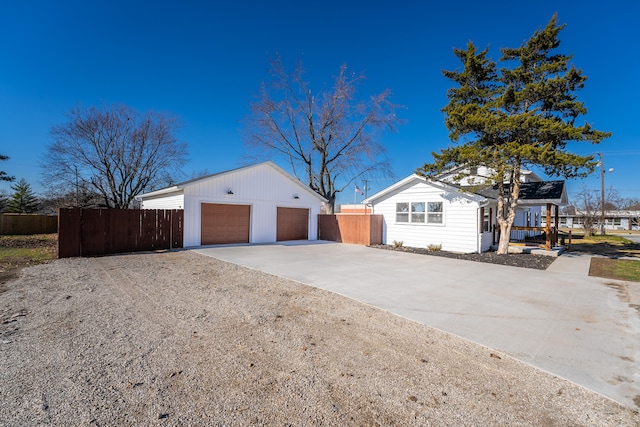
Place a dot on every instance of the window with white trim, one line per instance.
(434, 213)
(402, 212)
(419, 212)
(410, 212)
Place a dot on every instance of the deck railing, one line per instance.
(520, 234)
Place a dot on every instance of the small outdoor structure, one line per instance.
(420, 213)
(534, 195)
(260, 203)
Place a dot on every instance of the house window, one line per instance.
(616, 221)
(537, 219)
(528, 218)
(402, 212)
(486, 220)
(419, 212)
(434, 212)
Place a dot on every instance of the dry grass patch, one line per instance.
(17, 252)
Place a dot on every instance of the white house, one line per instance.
(421, 212)
(260, 203)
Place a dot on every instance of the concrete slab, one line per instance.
(559, 320)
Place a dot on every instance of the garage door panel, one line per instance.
(292, 224)
(223, 224)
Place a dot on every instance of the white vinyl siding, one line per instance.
(170, 201)
(262, 187)
(458, 230)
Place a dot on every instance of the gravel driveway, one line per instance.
(178, 338)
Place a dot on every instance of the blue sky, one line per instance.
(204, 62)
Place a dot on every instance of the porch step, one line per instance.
(535, 250)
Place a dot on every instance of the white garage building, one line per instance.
(260, 203)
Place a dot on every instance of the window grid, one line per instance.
(419, 212)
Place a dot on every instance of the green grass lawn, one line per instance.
(619, 269)
(34, 254)
(625, 269)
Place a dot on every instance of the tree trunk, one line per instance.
(331, 205)
(505, 237)
(507, 223)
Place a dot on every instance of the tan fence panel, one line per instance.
(90, 232)
(349, 228)
(13, 223)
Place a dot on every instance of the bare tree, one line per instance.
(630, 204)
(114, 151)
(588, 204)
(81, 197)
(329, 139)
(589, 207)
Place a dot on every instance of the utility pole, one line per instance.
(602, 172)
(602, 219)
(366, 187)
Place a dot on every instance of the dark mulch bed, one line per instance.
(537, 262)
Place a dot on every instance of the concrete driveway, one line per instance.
(633, 237)
(560, 320)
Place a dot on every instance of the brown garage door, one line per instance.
(222, 224)
(293, 224)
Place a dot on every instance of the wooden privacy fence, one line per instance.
(13, 223)
(357, 229)
(87, 232)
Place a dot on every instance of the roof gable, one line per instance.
(179, 188)
(415, 178)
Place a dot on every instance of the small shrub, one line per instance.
(398, 244)
(434, 248)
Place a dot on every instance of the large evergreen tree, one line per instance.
(22, 200)
(522, 115)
